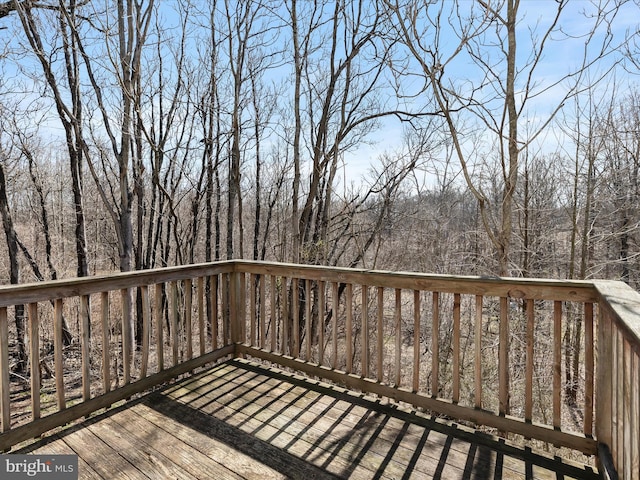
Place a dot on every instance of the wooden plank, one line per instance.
(284, 314)
(540, 289)
(200, 292)
(634, 446)
(58, 358)
(224, 295)
(321, 321)
(34, 358)
(295, 288)
(588, 368)
(213, 319)
(273, 320)
(334, 325)
(137, 452)
(106, 341)
(262, 314)
(101, 457)
(626, 412)
(349, 326)
(253, 310)
(528, 395)
(503, 358)
(379, 334)
(623, 304)
(365, 331)
(478, 353)
(5, 398)
(44, 424)
(173, 321)
(127, 333)
(193, 452)
(416, 340)
(604, 374)
(188, 314)
(557, 364)
(435, 344)
(479, 417)
(57, 446)
(398, 335)
(85, 342)
(307, 319)
(278, 413)
(146, 330)
(581, 291)
(619, 445)
(159, 327)
(75, 287)
(331, 414)
(456, 348)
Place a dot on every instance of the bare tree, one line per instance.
(497, 88)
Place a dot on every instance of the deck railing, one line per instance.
(518, 356)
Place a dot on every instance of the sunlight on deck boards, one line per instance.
(241, 420)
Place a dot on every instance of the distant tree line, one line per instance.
(142, 134)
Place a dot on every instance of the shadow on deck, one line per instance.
(242, 420)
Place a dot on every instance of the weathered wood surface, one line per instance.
(240, 420)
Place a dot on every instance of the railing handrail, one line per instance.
(624, 304)
(61, 288)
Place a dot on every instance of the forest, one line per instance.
(481, 138)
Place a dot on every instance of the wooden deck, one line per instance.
(241, 420)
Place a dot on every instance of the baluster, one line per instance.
(620, 427)
(252, 309)
(321, 313)
(295, 294)
(224, 293)
(398, 319)
(349, 326)
(125, 295)
(334, 326)
(379, 332)
(146, 329)
(456, 348)
(557, 363)
(307, 318)
(106, 342)
(284, 315)
(528, 395)
(262, 306)
(634, 426)
(57, 353)
(213, 319)
(34, 358)
(589, 365)
(626, 413)
(5, 398)
(273, 321)
(173, 320)
(84, 344)
(201, 314)
(416, 340)
(435, 344)
(188, 285)
(503, 357)
(365, 331)
(159, 327)
(478, 353)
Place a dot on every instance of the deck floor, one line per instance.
(241, 420)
